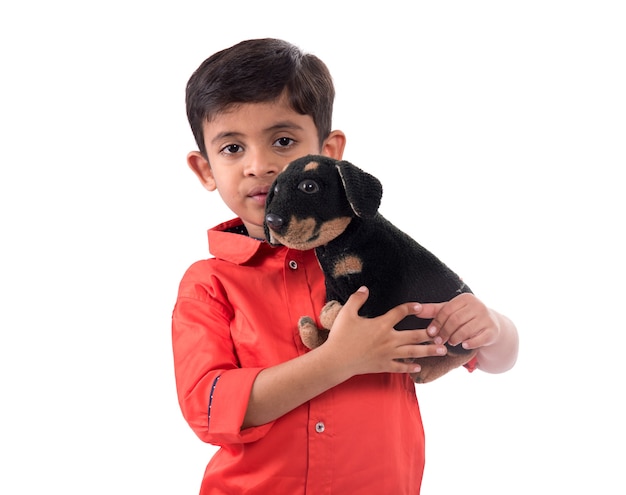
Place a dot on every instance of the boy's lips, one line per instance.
(259, 193)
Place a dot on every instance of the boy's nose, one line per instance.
(261, 164)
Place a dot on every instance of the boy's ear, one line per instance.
(200, 166)
(334, 145)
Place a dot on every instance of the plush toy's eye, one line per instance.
(276, 188)
(308, 186)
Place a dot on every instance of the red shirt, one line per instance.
(237, 314)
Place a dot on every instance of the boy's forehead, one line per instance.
(243, 110)
(255, 118)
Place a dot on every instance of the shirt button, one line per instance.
(293, 264)
(319, 427)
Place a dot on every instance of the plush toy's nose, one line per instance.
(274, 222)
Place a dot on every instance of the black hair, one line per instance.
(256, 71)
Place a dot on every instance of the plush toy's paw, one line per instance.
(310, 335)
(436, 366)
(329, 313)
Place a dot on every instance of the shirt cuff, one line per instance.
(472, 364)
(229, 402)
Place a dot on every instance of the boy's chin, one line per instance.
(255, 230)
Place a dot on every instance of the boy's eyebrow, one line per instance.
(226, 134)
(276, 127)
(287, 124)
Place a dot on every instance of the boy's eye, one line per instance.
(284, 141)
(231, 149)
(308, 186)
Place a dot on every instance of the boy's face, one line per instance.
(247, 146)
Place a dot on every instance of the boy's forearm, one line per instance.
(502, 354)
(282, 388)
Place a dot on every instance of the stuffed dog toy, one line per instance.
(332, 206)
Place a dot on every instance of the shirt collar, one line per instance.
(228, 246)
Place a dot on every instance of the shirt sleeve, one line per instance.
(213, 391)
(472, 364)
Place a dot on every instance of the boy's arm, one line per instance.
(355, 346)
(502, 354)
(466, 320)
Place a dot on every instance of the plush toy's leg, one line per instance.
(329, 313)
(310, 335)
(435, 367)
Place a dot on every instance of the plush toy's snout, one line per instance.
(274, 226)
(274, 222)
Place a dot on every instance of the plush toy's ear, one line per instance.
(364, 191)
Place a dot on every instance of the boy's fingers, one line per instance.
(358, 298)
(396, 314)
(429, 310)
(414, 337)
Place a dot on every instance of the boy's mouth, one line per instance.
(259, 194)
(260, 198)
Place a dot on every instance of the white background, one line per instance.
(498, 131)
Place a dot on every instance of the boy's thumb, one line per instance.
(359, 297)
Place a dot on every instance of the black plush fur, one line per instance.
(332, 206)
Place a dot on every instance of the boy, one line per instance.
(342, 418)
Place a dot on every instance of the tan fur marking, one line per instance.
(434, 367)
(312, 165)
(301, 231)
(347, 265)
(332, 229)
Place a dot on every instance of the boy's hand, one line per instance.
(372, 345)
(463, 320)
